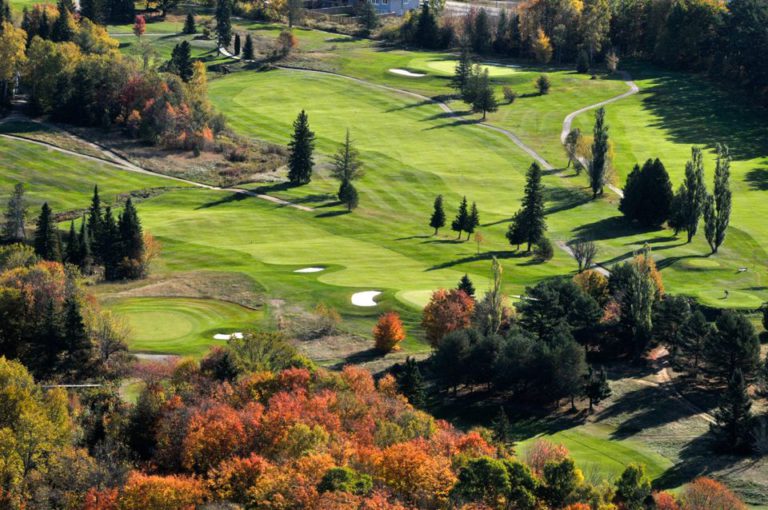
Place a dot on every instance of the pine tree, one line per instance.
(426, 27)
(47, 244)
(44, 29)
(93, 10)
(300, 161)
(597, 388)
(79, 350)
(598, 166)
(348, 195)
(734, 417)
(692, 341)
(411, 383)
(694, 193)
(473, 220)
(15, 216)
(95, 226)
(346, 162)
(733, 344)
(189, 24)
(648, 194)
(63, 29)
(237, 44)
(223, 23)
(463, 71)
(109, 242)
(465, 284)
(49, 342)
(516, 231)
(484, 100)
(84, 243)
(717, 210)
(437, 220)
(502, 428)
(248, 48)
(73, 250)
(181, 60)
(131, 240)
(531, 219)
(462, 218)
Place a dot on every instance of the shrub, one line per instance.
(543, 84)
(543, 250)
(388, 332)
(509, 94)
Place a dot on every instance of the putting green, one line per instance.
(445, 66)
(180, 325)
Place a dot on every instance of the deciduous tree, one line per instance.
(388, 332)
(446, 311)
(598, 165)
(717, 208)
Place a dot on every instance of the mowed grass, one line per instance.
(181, 325)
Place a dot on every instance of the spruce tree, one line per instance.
(694, 193)
(348, 195)
(411, 383)
(463, 71)
(248, 48)
(49, 342)
(502, 428)
(598, 166)
(717, 210)
(95, 226)
(79, 350)
(597, 388)
(437, 220)
(484, 100)
(189, 24)
(44, 29)
(516, 231)
(72, 253)
(735, 422)
(63, 29)
(131, 239)
(15, 216)
(531, 219)
(237, 44)
(84, 243)
(223, 23)
(47, 245)
(462, 218)
(93, 10)
(473, 220)
(181, 60)
(733, 344)
(426, 27)
(465, 284)
(110, 245)
(302, 145)
(346, 162)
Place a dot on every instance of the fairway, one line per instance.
(180, 325)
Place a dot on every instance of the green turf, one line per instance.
(181, 325)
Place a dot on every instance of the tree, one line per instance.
(571, 144)
(139, 26)
(236, 49)
(633, 487)
(555, 304)
(14, 230)
(694, 194)
(462, 218)
(346, 162)
(594, 23)
(110, 245)
(131, 240)
(79, 354)
(598, 166)
(348, 195)
(426, 27)
(584, 251)
(502, 428)
(733, 345)
(437, 220)
(446, 311)
(693, 336)
(509, 94)
(181, 60)
(516, 231)
(543, 84)
(388, 332)
(473, 220)
(582, 62)
(482, 479)
(532, 221)
(248, 48)
(648, 194)
(708, 494)
(597, 388)
(463, 71)
(95, 225)
(542, 47)
(223, 23)
(64, 27)
(13, 44)
(465, 284)
(677, 210)
(85, 257)
(490, 313)
(369, 19)
(483, 100)
(47, 244)
(189, 24)
(561, 479)
(72, 252)
(411, 383)
(734, 417)
(717, 208)
(345, 479)
(295, 11)
(543, 249)
(612, 61)
(302, 145)
(480, 34)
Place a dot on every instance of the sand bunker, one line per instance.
(227, 336)
(365, 298)
(405, 72)
(310, 270)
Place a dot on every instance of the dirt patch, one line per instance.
(344, 349)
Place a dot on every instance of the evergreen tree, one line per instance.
(481, 32)
(131, 240)
(437, 220)
(181, 60)
(598, 166)
(465, 284)
(109, 241)
(633, 488)
(79, 350)
(348, 195)
(84, 243)
(677, 210)
(237, 44)
(5, 12)
(734, 417)
(189, 24)
(717, 210)
(93, 10)
(346, 162)
(73, 250)
(531, 219)
(63, 29)
(426, 27)
(463, 71)
(121, 11)
(692, 341)
(732, 345)
(516, 231)
(411, 383)
(543, 84)
(694, 194)
(248, 48)
(49, 343)
(473, 220)
(484, 100)
(47, 245)
(462, 218)
(223, 23)
(44, 29)
(15, 216)
(369, 19)
(95, 226)
(597, 388)
(648, 194)
(502, 428)
(302, 144)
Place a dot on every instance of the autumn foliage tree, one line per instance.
(708, 494)
(447, 310)
(388, 332)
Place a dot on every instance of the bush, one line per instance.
(543, 250)
(543, 84)
(509, 94)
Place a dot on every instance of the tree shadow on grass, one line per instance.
(420, 236)
(232, 197)
(757, 178)
(456, 123)
(332, 214)
(563, 199)
(488, 255)
(445, 241)
(609, 228)
(359, 357)
(669, 261)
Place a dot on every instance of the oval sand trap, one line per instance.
(365, 298)
(405, 72)
(310, 270)
(227, 336)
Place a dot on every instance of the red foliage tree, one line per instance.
(139, 26)
(213, 435)
(446, 311)
(388, 332)
(665, 501)
(708, 494)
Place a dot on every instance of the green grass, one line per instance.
(181, 325)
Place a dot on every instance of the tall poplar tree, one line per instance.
(302, 145)
(717, 209)
(15, 216)
(694, 194)
(598, 166)
(47, 244)
(437, 220)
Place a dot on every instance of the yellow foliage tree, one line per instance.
(542, 47)
(13, 42)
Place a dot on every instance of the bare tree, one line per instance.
(584, 252)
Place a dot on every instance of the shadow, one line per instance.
(280, 186)
(667, 262)
(233, 197)
(321, 197)
(757, 178)
(423, 236)
(445, 241)
(455, 124)
(482, 256)
(417, 104)
(654, 240)
(609, 228)
(342, 39)
(562, 199)
(331, 214)
(359, 357)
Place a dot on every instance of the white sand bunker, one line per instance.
(365, 298)
(310, 270)
(405, 72)
(227, 336)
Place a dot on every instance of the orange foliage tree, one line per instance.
(665, 501)
(447, 310)
(213, 435)
(708, 494)
(142, 492)
(388, 332)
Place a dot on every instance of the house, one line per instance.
(396, 7)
